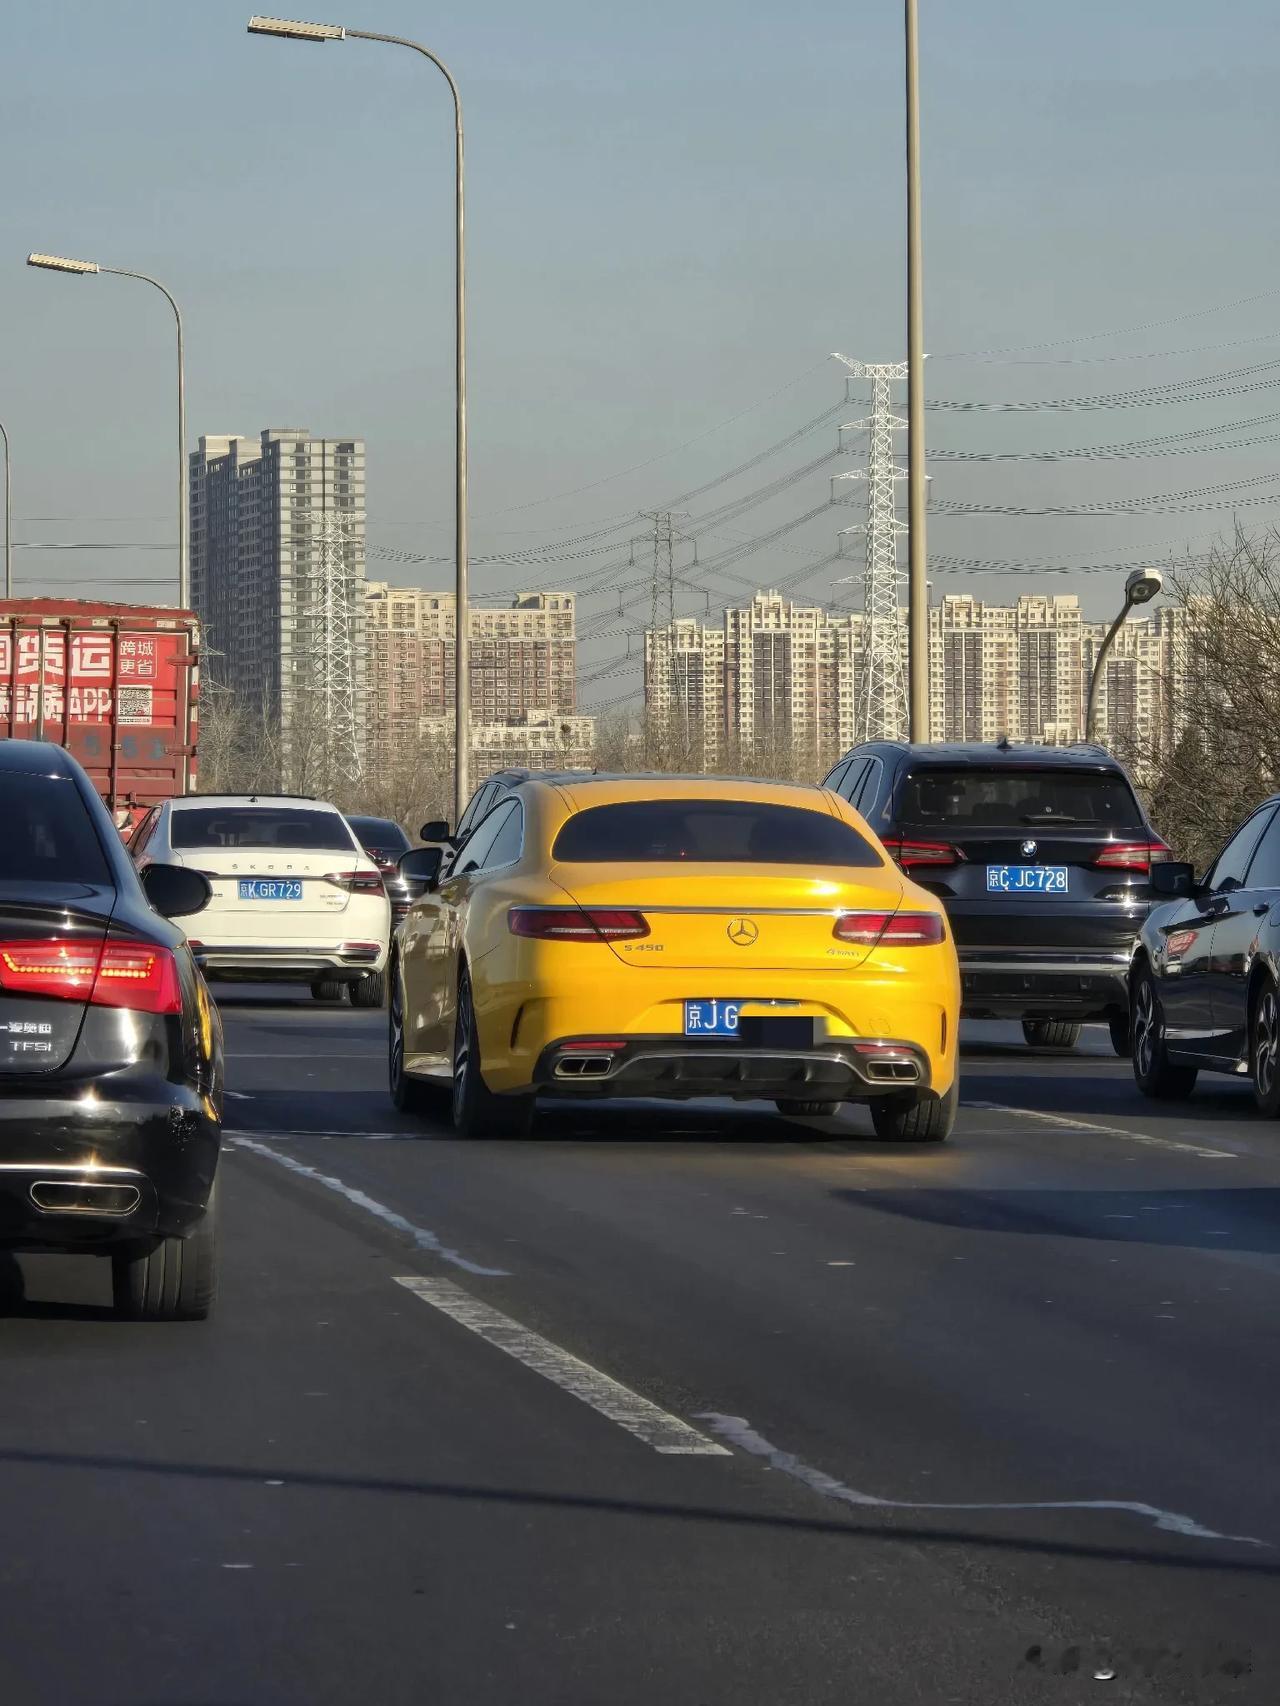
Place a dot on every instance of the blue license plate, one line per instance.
(1027, 879)
(713, 1018)
(270, 888)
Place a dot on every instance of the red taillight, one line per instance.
(1132, 855)
(357, 882)
(118, 974)
(908, 854)
(594, 1045)
(576, 923)
(901, 929)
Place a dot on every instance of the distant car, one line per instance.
(295, 899)
(384, 841)
(1206, 969)
(1042, 857)
(673, 937)
(110, 1047)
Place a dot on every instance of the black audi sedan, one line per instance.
(1206, 969)
(110, 1047)
(1042, 857)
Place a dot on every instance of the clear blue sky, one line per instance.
(674, 211)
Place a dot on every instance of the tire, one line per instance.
(409, 1095)
(1264, 1049)
(1153, 1072)
(477, 1112)
(806, 1110)
(1051, 1033)
(370, 991)
(1120, 1039)
(175, 1279)
(328, 989)
(918, 1116)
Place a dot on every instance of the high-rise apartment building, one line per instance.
(523, 658)
(277, 526)
(776, 672)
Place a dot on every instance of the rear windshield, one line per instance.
(260, 826)
(1004, 798)
(48, 835)
(715, 832)
(378, 832)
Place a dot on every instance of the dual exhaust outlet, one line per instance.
(83, 1196)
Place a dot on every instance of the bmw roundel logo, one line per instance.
(1029, 849)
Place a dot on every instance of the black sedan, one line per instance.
(110, 1047)
(1205, 977)
(385, 841)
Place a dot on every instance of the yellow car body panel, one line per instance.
(530, 993)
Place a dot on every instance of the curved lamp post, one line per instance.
(1140, 588)
(292, 30)
(60, 263)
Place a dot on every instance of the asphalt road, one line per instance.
(679, 1406)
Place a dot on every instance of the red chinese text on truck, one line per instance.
(117, 684)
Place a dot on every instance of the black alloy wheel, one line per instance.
(1264, 1049)
(916, 1116)
(409, 1095)
(477, 1112)
(370, 990)
(1154, 1073)
(169, 1279)
(1121, 1042)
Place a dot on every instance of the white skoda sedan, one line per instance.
(296, 899)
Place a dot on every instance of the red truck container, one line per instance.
(117, 684)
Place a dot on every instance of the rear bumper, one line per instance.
(300, 963)
(83, 1166)
(1043, 984)
(675, 1069)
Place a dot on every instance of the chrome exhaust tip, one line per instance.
(583, 1066)
(83, 1196)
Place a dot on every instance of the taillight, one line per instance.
(1132, 855)
(908, 854)
(576, 923)
(357, 882)
(901, 929)
(119, 974)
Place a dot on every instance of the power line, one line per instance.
(1180, 391)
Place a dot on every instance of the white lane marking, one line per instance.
(238, 1054)
(740, 1432)
(1072, 1124)
(237, 1096)
(658, 1428)
(409, 1136)
(421, 1236)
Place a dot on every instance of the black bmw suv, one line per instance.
(1042, 856)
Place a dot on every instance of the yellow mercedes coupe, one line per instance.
(672, 937)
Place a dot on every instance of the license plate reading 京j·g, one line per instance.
(714, 1018)
(270, 888)
(1027, 879)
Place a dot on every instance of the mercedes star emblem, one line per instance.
(743, 932)
(1028, 849)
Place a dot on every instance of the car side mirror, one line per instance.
(1172, 880)
(176, 891)
(436, 830)
(419, 869)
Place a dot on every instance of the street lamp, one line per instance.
(917, 487)
(292, 30)
(1140, 588)
(60, 263)
(8, 517)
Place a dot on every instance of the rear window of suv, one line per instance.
(49, 836)
(260, 826)
(970, 798)
(710, 832)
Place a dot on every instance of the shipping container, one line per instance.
(116, 684)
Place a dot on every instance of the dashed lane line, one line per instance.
(1069, 1123)
(656, 1427)
(422, 1237)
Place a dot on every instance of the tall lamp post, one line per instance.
(295, 31)
(917, 489)
(1140, 588)
(60, 263)
(8, 516)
